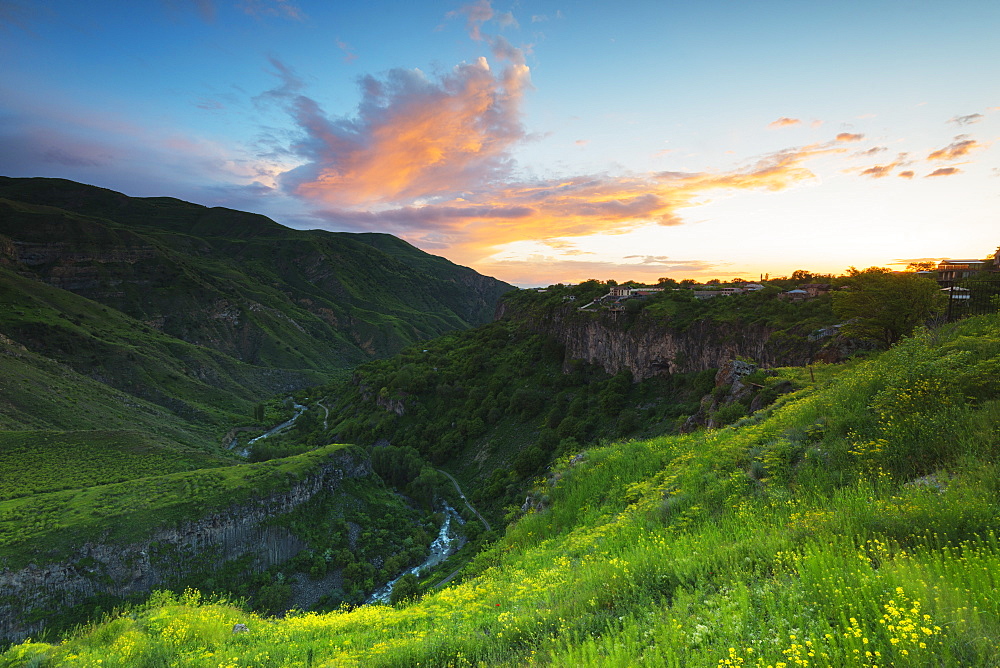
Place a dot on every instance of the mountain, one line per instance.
(199, 311)
(238, 282)
(138, 338)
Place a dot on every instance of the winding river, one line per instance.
(443, 546)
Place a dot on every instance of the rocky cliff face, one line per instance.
(648, 347)
(167, 555)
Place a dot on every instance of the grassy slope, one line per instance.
(242, 283)
(853, 525)
(49, 526)
(65, 353)
(35, 462)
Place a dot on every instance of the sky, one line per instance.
(537, 142)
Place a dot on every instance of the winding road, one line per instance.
(326, 412)
(476, 512)
(460, 494)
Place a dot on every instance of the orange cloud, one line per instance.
(518, 211)
(908, 174)
(414, 137)
(872, 151)
(944, 171)
(431, 160)
(784, 122)
(847, 136)
(879, 171)
(956, 149)
(546, 270)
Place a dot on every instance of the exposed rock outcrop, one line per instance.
(168, 554)
(732, 386)
(649, 346)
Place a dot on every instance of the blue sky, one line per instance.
(535, 141)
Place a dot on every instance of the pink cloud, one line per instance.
(476, 14)
(414, 137)
(349, 55)
(265, 8)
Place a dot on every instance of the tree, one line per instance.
(803, 275)
(406, 588)
(884, 307)
(922, 266)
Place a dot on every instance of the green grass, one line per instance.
(855, 525)
(51, 525)
(34, 462)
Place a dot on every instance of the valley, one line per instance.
(223, 442)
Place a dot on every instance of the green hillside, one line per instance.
(853, 524)
(54, 524)
(493, 405)
(72, 363)
(238, 282)
(35, 462)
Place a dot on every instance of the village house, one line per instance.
(949, 272)
(794, 295)
(816, 289)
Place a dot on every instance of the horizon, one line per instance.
(537, 143)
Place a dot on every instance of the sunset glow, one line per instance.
(535, 142)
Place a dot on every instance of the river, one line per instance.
(443, 547)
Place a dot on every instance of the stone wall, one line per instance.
(169, 553)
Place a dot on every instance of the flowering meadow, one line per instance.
(854, 523)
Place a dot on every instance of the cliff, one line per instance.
(168, 554)
(649, 346)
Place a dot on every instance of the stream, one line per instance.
(442, 547)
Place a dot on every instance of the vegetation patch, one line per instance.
(35, 462)
(52, 525)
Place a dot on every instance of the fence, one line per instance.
(976, 297)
